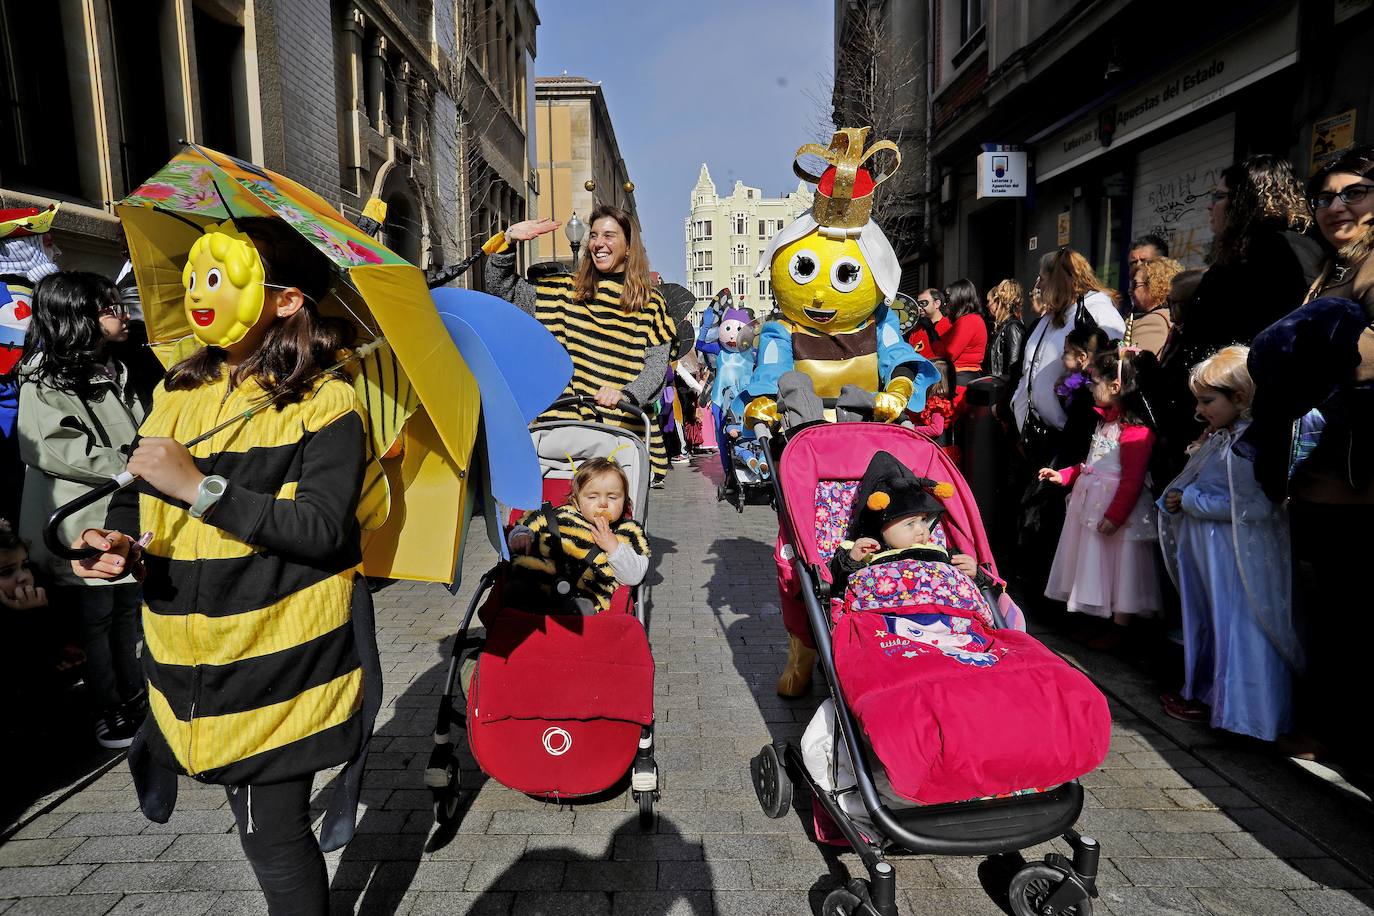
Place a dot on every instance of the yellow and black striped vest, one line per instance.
(607, 347)
(597, 580)
(253, 668)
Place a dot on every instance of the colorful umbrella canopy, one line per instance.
(415, 388)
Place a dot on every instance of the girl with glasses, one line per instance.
(78, 419)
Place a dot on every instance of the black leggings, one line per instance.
(274, 827)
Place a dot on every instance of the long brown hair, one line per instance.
(296, 350)
(1064, 276)
(638, 284)
(1263, 194)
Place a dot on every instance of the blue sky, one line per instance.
(725, 83)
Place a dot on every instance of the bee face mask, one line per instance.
(224, 280)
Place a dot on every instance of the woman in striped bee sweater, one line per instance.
(260, 655)
(608, 316)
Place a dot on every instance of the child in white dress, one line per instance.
(1106, 565)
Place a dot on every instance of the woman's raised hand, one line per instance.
(530, 229)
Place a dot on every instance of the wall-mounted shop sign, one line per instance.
(1220, 71)
(1001, 171)
(1330, 136)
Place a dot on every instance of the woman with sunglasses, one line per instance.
(1341, 196)
(1317, 364)
(78, 418)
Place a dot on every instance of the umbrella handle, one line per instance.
(53, 540)
(625, 404)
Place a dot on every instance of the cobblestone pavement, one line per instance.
(1180, 837)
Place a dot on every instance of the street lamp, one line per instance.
(576, 231)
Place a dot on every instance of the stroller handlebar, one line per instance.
(625, 404)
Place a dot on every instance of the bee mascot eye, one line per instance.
(802, 267)
(846, 274)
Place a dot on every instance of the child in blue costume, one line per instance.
(24, 260)
(734, 366)
(1227, 548)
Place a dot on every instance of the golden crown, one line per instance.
(844, 191)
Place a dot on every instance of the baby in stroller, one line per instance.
(951, 704)
(897, 524)
(572, 558)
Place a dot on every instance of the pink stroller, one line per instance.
(817, 476)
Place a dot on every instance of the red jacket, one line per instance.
(1136, 444)
(964, 342)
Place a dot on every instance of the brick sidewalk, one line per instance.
(1179, 838)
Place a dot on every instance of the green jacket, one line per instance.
(70, 446)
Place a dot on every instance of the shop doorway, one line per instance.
(992, 246)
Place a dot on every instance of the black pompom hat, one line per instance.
(891, 491)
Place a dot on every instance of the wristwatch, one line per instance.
(207, 494)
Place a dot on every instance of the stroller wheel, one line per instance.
(1033, 885)
(646, 810)
(840, 902)
(445, 798)
(771, 782)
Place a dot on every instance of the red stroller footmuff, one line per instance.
(559, 702)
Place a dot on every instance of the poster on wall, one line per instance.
(1173, 187)
(1330, 136)
(1063, 226)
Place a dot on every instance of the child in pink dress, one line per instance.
(1105, 565)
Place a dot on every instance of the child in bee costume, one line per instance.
(260, 651)
(837, 350)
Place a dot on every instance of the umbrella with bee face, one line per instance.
(420, 399)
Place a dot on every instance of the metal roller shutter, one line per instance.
(1173, 181)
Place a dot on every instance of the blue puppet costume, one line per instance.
(734, 367)
(837, 351)
(835, 275)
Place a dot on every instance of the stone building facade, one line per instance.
(353, 98)
(726, 236)
(576, 144)
(1125, 111)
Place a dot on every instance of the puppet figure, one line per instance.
(834, 276)
(24, 260)
(837, 350)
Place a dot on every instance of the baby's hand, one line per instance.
(1051, 475)
(1173, 500)
(603, 535)
(862, 548)
(520, 541)
(732, 433)
(965, 564)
